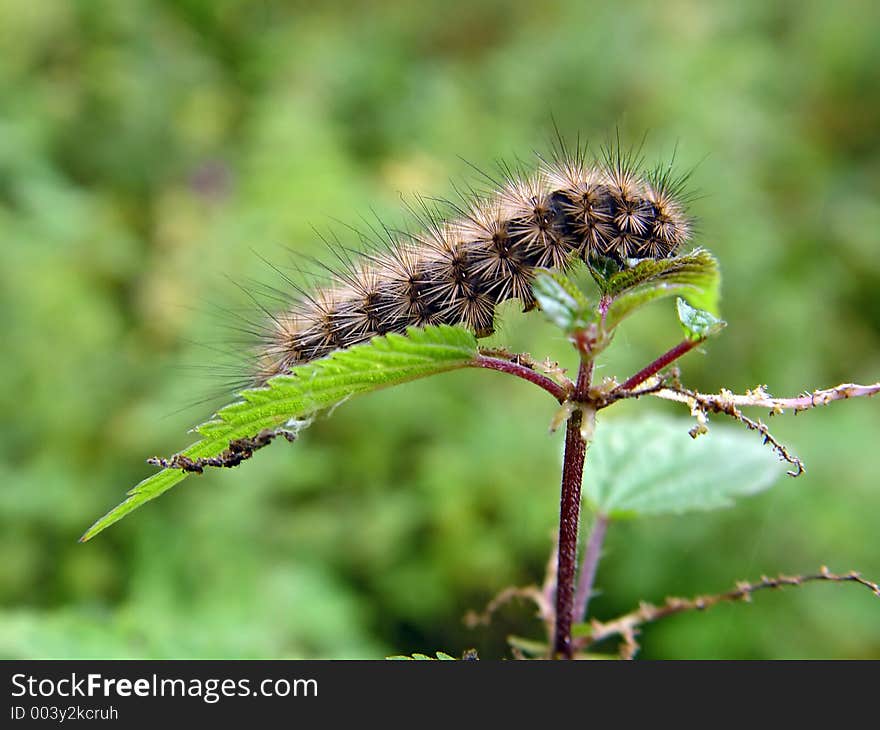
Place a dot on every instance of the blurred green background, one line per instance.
(152, 152)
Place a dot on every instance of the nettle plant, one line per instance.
(413, 305)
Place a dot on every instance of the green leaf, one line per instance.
(529, 647)
(698, 324)
(651, 466)
(694, 277)
(312, 387)
(562, 302)
(440, 655)
(603, 269)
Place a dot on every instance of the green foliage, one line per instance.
(603, 269)
(528, 647)
(147, 149)
(651, 466)
(441, 655)
(694, 277)
(698, 324)
(562, 302)
(310, 388)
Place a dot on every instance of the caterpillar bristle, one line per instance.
(471, 253)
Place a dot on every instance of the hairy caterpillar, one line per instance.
(458, 268)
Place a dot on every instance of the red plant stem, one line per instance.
(588, 568)
(569, 513)
(521, 371)
(661, 362)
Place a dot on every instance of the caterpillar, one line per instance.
(471, 255)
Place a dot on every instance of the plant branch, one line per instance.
(761, 398)
(569, 511)
(661, 362)
(514, 366)
(627, 625)
(472, 619)
(541, 597)
(588, 568)
(729, 404)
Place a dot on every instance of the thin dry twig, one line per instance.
(542, 597)
(760, 398)
(472, 619)
(728, 403)
(627, 626)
